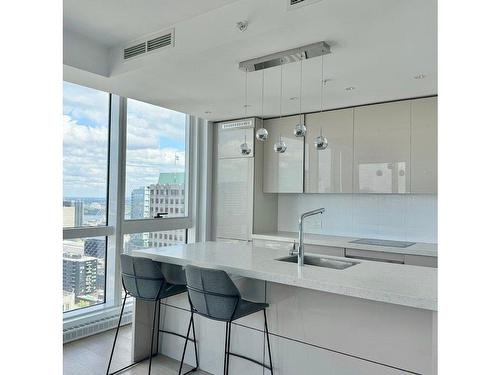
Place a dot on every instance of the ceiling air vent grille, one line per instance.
(295, 2)
(135, 50)
(150, 43)
(160, 42)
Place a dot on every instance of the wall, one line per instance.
(408, 217)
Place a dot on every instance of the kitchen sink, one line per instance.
(318, 261)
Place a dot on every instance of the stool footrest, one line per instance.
(176, 334)
(249, 359)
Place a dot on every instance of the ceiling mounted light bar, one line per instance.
(285, 57)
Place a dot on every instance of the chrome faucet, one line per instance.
(300, 250)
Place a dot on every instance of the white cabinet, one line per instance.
(329, 170)
(283, 173)
(424, 145)
(382, 148)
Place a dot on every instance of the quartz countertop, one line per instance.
(398, 284)
(419, 248)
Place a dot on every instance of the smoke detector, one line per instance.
(242, 25)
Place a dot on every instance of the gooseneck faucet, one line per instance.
(300, 252)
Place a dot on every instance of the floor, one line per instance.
(89, 356)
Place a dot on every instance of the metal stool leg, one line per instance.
(185, 346)
(194, 342)
(116, 334)
(152, 338)
(228, 348)
(268, 344)
(225, 351)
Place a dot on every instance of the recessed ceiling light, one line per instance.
(420, 76)
(294, 98)
(350, 88)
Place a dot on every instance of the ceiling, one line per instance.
(379, 46)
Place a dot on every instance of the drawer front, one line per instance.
(377, 256)
(418, 260)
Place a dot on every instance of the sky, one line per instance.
(155, 136)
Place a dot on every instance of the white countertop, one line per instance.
(398, 284)
(419, 248)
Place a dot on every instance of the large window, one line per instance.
(117, 197)
(156, 162)
(85, 187)
(85, 156)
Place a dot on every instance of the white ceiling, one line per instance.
(378, 48)
(114, 22)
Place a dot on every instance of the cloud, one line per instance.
(154, 137)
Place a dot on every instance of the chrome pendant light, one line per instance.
(300, 128)
(262, 133)
(245, 147)
(280, 146)
(320, 142)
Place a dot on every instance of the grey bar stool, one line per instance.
(143, 279)
(212, 294)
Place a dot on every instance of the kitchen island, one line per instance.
(371, 318)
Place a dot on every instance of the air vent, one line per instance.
(238, 124)
(293, 4)
(148, 44)
(133, 51)
(160, 42)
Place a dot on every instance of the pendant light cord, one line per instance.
(300, 91)
(262, 124)
(246, 91)
(322, 80)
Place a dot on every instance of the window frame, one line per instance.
(117, 226)
(105, 231)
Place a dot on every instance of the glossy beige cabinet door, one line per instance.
(329, 170)
(382, 148)
(283, 173)
(424, 145)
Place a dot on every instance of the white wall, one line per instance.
(389, 216)
(86, 54)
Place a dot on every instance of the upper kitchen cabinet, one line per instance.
(424, 145)
(329, 170)
(283, 173)
(382, 148)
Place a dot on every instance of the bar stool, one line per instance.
(212, 294)
(143, 279)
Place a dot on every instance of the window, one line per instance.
(136, 241)
(156, 148)
(85, 195)
(85, 156)
(84, 272)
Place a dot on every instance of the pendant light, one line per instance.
(280, 146)
(321, 143)
(262, 134)
(245, 147)
(300, 128)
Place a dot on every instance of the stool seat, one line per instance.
(245, 308)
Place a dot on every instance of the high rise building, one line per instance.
(78, 213)
(79, 273)
(95, 247)
(139, 203)
(168, 197)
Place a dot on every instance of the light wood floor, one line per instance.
(89, 356)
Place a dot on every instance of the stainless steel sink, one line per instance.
(320, 262)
